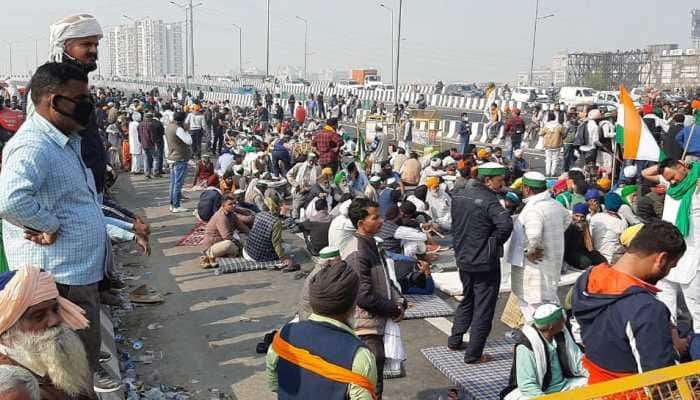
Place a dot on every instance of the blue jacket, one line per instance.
(332, 344)
(684, 134)
(480, 228)
(624, 327)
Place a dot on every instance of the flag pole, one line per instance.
(612, 172)
(687, 143)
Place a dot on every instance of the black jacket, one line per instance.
(481, 226)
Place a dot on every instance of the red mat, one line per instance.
(194, 237)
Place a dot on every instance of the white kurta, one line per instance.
(688, 265)
(605, 232)
(134, 143)
(543, 221)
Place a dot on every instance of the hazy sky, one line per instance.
(470, 40)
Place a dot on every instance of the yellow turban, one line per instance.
(327, 171)
(629, 234)
(604, 183)
(432, 182)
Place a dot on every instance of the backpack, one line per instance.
(581, 137)
(519, 128)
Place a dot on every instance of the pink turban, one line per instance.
(28, 287)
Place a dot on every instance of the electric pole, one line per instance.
(306, 42)
(267, 64)
(398, 52)
(240, 50)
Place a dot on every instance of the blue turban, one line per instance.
(592, 194)
(581, 208)
(613, 201)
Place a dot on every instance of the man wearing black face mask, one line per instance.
(52, 216)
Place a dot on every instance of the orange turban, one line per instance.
(432, 182)
(29, 286)
(695, 104)
(604, 183)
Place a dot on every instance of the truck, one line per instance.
(368, 78)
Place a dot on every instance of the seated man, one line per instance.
(439, 204)
(202, 172)
(37, 331)
(400, 240)
(265, 238)
(578, 244)
(221, 235)
(315, 229)
(209, 200)
(546, 359)
(625, 328)
(309, 359)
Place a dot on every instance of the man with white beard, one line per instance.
(37, 333)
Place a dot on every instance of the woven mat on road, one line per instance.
(427, 306)
(478, 381)
(240, 264)
(194, 237)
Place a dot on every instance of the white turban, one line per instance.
(136, 116)
(73, 27)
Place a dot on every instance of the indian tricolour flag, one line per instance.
(633, 134)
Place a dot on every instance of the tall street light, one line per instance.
(188, 7)
(534, 36)
(398, 52)
(240, 50)
(267, 59)
(9, 45)
(391, 10)
(306, 41)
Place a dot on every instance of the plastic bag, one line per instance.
(393, 346)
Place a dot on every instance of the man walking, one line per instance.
(145, 131)
(464, 130)
(480, 226)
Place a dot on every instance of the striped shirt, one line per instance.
(46, 187)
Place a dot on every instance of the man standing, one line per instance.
(681, 208)
(135, 145)
(325, 335)
(544, 222)
(145, 132)
(321, 106)
(378, 300)
(624, 327)
(179, 153)
(514, 129)
(480, 227)
(49, 204)
(328, 143)
(197, 125)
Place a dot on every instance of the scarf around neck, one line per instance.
(684, 191)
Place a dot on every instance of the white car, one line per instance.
(574, 95)
(524, 94)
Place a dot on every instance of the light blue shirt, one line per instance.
(46, 187)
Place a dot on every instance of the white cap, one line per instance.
(630, 171)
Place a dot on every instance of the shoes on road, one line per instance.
(109, 299)
(104, 382)
(105, 356)
(179, 209)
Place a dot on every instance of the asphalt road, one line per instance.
(211, 324)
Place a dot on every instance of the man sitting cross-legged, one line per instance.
(221, 235)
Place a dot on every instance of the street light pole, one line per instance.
(398, 52)
(36, 54)
(240, 50)
(306, 41)
(267, 62)
(189, 40)
(391, 10)
(534, 37)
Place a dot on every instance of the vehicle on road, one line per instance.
(463, 90)
(299, 82)
(607, 96)
(527, 94)
(574, 95)
(348, 84)
(10, 121)
(369, 78)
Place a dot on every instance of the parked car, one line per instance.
(348, 84)
(524, 94)
(463, 90)
(573, 95)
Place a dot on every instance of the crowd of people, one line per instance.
(376, 215)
